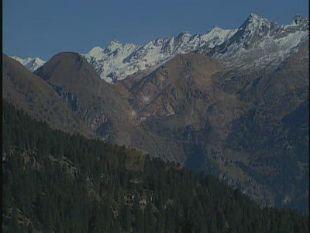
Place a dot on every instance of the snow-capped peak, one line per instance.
(117, 60)
(183, 37)
(301, 22)
(218, 32)
(30, 63)
(114, 44)
(217, 29)
(259, 42)
(298, 20)
(96, 52)
(255, 22)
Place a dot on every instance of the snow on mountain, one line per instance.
(30, 63)
(108, 62)
(299, 22)
(217, 36)
(259, 42)
(256, 43)
(118, 60)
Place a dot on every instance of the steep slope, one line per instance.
(274, 131)
(234, 124)
(184, 102)
(29, 92)
(259, 43)
(53, 182)
(102, 109)
(162, 100)
(169, 89)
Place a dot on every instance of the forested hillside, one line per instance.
(54, 182)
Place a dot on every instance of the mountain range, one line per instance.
(231, 103)
(30, 63)
(256, 39)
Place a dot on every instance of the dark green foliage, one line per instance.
(54, 182)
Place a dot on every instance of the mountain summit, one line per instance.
(117, 61)
(30, 63)
(257, 39)
(259, 43)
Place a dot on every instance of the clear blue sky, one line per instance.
(45, 27)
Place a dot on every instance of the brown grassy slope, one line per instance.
(30, 93)
(231, 123)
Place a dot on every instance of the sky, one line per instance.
(42, 28)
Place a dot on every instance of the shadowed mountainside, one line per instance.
(29, 92)
(246, 127)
